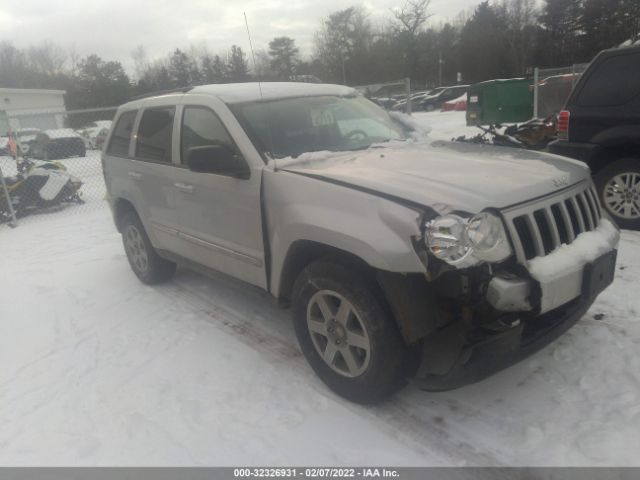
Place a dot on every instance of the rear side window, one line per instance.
(201, 127)
(613, 82)
(119, 144)
(154, 135)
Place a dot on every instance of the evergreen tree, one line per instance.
(284, 57)
(560, 35)
(183, 70)
(237, 68)
(484, 46)
(99, 84)
(607, 24)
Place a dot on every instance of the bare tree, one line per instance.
(408, 24)
(412, 16)
(343, 43)
(140, 62)
(74, 60)
(47, 58)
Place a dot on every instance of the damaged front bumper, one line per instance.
(559, 290)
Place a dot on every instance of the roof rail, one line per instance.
(161, 92)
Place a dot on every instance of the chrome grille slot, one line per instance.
(538, 228)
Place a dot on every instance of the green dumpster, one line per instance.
(500, 101)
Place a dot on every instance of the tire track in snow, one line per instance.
(397, 417)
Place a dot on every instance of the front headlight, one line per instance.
(465, 242)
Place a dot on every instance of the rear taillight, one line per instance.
(563, 125)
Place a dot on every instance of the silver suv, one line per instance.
(401, 257)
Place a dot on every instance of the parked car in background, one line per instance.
(25, 138)
(600, 125)
(457, 104)
(4, 146)
(384, 102)
(91, 131)
(416, 102)
(437, 261)
(435, 101)
(56, 144)
(101, 137)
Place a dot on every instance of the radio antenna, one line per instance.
(255, 67)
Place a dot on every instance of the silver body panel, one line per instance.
(354, 201)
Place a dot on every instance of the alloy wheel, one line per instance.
(136, 249)
(621, 195)
(338, 333)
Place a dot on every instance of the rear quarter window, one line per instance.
(614, 81)
(119, 144)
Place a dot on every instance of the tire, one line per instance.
(618, 186)
(145, 262)
(371, 375)
(430, 107)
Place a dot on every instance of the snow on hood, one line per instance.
(446, 176)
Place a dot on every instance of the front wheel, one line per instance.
(347, 334)
(145, 262)
(619, 189)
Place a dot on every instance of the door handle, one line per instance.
(183, 187)
(135, 175)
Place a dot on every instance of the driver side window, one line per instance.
(201, 127)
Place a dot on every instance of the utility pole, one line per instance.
(407, 89)
(440, 62)
(344, 74)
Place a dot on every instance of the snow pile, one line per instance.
(418, 130)
(103, 370)
(306, 158)
(587, 247)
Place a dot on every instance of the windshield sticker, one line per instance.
(321, 118)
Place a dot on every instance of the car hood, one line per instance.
(446, 176)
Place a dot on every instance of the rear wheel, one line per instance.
(145, 262)
(347, 334)
(619, 189)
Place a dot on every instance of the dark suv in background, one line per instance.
(601, 126)
(434, 102)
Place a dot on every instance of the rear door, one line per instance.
(153, 170)
(607, 98)
(219, 216)
(138, 167)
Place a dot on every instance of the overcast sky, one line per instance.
(113, 28)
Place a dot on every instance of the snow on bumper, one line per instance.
(560, 274)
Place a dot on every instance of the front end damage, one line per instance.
(490, 316)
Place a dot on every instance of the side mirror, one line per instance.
(218, 159)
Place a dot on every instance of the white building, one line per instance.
(23, 108)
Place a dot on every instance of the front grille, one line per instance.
(539, 228)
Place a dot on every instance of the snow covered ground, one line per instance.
(98, 369)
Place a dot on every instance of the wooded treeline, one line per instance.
(497, 39)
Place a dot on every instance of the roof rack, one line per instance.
(162, 92)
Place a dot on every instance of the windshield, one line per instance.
(292, 126)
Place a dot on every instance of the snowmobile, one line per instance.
(39, 185)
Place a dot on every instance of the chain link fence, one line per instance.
(552, 87)
(50, 163)
(390, 95)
